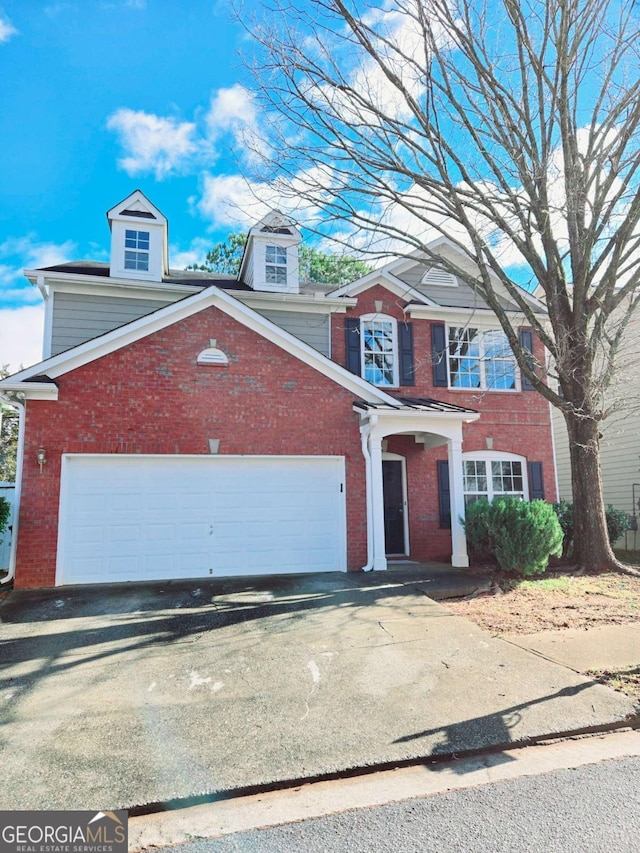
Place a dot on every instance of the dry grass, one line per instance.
(625, 680)
(557, 600)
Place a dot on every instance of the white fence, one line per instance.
(8, 491)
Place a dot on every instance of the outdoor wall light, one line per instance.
(41, 457)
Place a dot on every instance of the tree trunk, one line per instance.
(592, 551)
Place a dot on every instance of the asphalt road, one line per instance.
(592, 809)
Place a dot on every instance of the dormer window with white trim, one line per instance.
(138, 240)
(136, 250)
(276, 264)
(379, 355)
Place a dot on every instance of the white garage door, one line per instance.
(126, 518)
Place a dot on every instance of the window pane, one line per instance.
(464, 357)
(499, 362)
(136, 240)
(475, 476)
(276, 275)
(275, 255)
(506, 477)
(470, 498)
(136, 261)
(379, 351)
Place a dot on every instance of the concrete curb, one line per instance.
(632, 723)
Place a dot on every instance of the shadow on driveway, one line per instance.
(118, 696)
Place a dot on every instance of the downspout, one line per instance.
(16, 506)
(365, 430)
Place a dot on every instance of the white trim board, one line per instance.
(211, 297)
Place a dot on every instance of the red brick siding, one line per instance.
(518, 422)
(152, 397)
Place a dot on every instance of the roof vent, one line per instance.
(439, 278)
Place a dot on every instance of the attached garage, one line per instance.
(133, 518)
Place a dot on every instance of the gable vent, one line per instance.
(212, 356)
(439, 278)
(141, 214)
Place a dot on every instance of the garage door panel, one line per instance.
(143, 518)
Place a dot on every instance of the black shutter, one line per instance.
(444, 493)
(526, 342)
(536, 483)
(352, 336)
(407, 369)
(439, 354)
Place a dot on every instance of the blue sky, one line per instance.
(100, 97)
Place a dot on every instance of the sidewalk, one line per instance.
(608, 647)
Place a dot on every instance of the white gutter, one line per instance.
(16, 506)
(365, 430)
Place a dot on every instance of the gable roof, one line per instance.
(58, 365)
(393, 275)
(136, 205)
(386, 278)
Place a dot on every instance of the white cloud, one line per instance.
(153, 143)
(6, 30)
(163, 145)
(21, 332)
(195, 254)
(230, 109)
(20, 253)
(231, 200)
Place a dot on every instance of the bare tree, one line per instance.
(510, 127)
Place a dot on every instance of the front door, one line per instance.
(393, 506)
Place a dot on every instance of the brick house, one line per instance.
(185, 424)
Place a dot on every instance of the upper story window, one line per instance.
(480, 359)
(136, 250)
(276, 264)
(379, 355)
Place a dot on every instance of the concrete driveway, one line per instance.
(125, 695)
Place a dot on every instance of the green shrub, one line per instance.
(617, 523)
(564, 511)
(5, 509)
(476, 528)
(524, 534)
(520, 535)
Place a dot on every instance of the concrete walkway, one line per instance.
(120, 696)
(608, 647)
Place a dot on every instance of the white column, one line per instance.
(459, 557)
(377, 503)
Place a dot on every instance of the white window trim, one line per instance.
(139, 253)
(280, 269)
(483, 380)
(384, 318)
(499, 456)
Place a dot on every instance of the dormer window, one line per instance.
(136, 250)
(276, 264)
